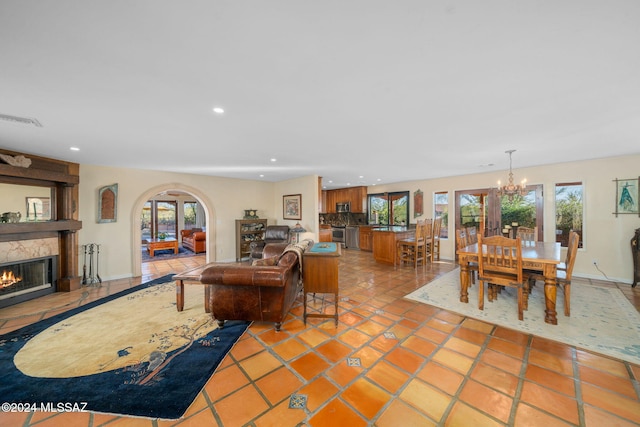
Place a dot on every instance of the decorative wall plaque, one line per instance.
(108, 203)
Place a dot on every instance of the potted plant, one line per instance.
(162, 236)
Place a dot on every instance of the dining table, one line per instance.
(541, 257)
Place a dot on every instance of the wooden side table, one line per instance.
(320, 274)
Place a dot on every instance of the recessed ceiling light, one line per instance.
(273, 159)
(74, 149)
(261, 175)
(218, 110)
(361, 176)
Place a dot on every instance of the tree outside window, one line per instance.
(389, 208)
(441, 209)
(569, 211)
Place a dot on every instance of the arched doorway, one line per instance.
(136, 233)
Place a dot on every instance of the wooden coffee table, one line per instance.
(158, 244)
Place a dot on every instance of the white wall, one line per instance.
(307, 187)
(14, 198)
(226, 198)
(606, 238)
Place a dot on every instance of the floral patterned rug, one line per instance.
(602, 319)
(131, 353)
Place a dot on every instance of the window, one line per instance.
(441, 209)
(190, 215)
(389, 208)
(569, 211)
(158, 217)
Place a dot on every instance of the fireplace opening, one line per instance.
(25, 280)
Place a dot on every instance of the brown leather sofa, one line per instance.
(194, 240)
(262, 293)
(272, 234)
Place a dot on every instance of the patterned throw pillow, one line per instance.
(266, 261)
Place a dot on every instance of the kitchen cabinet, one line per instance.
(366, 244)
(356, 196)
(385, 240)
(325, 235)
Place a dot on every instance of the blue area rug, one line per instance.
(166, 254)
(131, 353)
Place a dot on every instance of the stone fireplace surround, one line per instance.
(56, 237)
(33, 257)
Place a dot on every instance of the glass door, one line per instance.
(166, 218)
(489, 213)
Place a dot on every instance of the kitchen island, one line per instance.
(385, 242)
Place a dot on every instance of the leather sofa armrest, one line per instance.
(200, 235)
(245, 275)
(185, 233)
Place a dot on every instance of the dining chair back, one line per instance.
(472, 235)
(435, 249)
(563, 278)
(500, 264)
(527, 235)
(415, 249)
(461, 238)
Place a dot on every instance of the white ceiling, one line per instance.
(354, 91)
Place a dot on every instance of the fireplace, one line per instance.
(25, 280)
(57, 180)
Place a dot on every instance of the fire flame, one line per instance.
(9, 279)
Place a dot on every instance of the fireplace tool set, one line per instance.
(92, 250)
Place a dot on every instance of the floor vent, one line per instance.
(20, 120)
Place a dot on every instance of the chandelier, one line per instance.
(512, 189)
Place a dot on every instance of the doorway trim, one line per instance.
(136, 223)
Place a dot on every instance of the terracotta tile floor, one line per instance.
(390, 362)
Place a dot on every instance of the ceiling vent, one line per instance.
(20, 120)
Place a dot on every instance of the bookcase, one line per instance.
(247, 231)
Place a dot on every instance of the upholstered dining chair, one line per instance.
(415, 249)
(500, 264)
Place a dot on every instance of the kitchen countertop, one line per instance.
(391, 228)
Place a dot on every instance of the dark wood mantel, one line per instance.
(63, 178)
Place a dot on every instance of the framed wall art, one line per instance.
(38, 208)
(418, 203)
(292, 206)
(627, 195)
(108, 203)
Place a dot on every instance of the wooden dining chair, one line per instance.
(472, 235)
(461, 242)
(563, 279)
(435, 247)
(461, 238)
(500, 264)
(414, 249)
(564, 271)
(527, 235)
